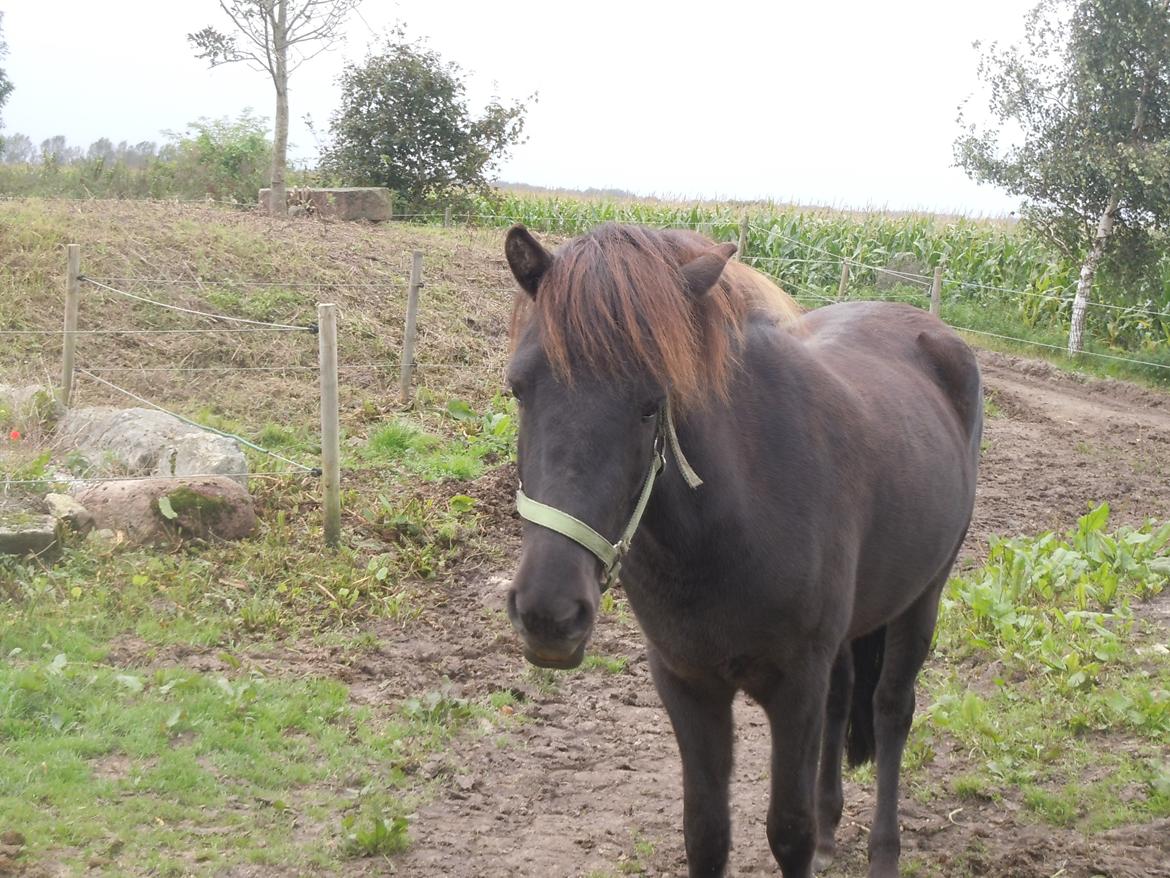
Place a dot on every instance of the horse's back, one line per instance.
(888, 348)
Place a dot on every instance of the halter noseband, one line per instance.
(610, 554)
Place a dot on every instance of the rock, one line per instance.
(903, 270)
(371, 203)
(70, 513)
(150, 511)
(23, 533)
(145, 442)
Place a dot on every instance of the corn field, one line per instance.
(997, 276)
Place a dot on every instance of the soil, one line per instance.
(592, 782)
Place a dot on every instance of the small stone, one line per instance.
(70, 513)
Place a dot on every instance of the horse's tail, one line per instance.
(868, 652)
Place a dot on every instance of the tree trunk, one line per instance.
(278, 203)
(1076, 333)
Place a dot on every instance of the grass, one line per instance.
(182, 772)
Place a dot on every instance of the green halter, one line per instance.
(610, 554)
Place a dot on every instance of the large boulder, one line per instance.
(144, 442)
(152, 511)
(372, 203)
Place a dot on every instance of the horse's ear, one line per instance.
(527, 258)
(702, 272)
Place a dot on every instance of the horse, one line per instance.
(783, 492)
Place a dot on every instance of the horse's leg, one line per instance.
(701, 716)
(907, 644)
(830, 796)
(795, 704)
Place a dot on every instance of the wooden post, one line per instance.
(72, 306)
(447, 217)
(936, 292)
(391, 204)
(843, 286)
(407, 369)
(743, 236)
(330, 430)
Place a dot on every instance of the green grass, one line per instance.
(161, 765)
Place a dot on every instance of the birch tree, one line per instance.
(1086, 101)
(277, 37)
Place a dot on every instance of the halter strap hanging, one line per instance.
(610, 554)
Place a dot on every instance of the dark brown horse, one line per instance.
(837, 452)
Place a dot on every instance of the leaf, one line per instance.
(57, 665)
(130, 682)
(461, 503)
(167, 510)
(460, 410)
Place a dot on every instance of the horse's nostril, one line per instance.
(584, 614)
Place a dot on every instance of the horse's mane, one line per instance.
(613, 301)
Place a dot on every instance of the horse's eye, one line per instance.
(650, 412)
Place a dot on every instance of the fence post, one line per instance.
(447, 217)
(936, 292)
(843, 285)
(330, 431)
(407, 369)
(391, 216)
(741, 250)
(72, 306)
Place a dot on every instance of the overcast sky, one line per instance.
(844, 103)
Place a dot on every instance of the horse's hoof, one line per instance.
(823, 858)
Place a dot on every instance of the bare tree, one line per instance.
(278, 37)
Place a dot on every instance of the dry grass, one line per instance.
(245, 264)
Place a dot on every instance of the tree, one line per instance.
(404, 123)
(5, 82)
(1089, 92)
(222, 159)
(278, 36)
(19, 149)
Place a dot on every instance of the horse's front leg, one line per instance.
(701, 715)
(795, 705)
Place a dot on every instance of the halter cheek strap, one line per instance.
(610, 554)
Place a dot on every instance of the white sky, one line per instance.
(842, 102)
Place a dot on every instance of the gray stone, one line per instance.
(205, 508)
(22, 533)
(903, 270)
(144, 442)
(70, 513)
(371, 203)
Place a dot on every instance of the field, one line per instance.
(272, 708)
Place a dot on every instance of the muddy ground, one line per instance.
(593, 783)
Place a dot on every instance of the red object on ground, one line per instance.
(14, 435)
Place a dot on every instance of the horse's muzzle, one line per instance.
(554, 636)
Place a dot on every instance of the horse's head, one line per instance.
(591, 414)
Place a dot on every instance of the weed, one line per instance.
(375, 836)
(606, 664)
